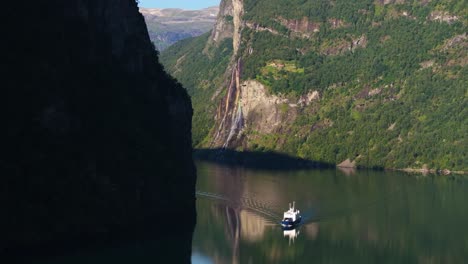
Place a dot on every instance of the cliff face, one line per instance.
(96, 137)
(224, 27)
(247, 105)
(373, 82)
(229, 117)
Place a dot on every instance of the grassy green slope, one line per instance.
(398, 99)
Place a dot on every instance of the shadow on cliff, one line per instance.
(257, 160)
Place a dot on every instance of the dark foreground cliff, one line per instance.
(95, 137)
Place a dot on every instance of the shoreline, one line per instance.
(272, 160)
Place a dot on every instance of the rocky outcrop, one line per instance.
(443, 16)
(388, 2)
(342, 46)
(308, 98)
(249, 106)
(347, 164)
(224, 27)
(229, 23)
(302, 26)
(261, 111)
(96, 137)
(238, 6)
(336, 23)
(258, 28)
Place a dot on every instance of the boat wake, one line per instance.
(273, 213)
(261, 208)
(269, 211)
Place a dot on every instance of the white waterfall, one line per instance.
(236, 125)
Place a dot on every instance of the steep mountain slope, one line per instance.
(167, 26)
(362, 83)
(96, 137)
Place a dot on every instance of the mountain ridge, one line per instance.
(169, 25)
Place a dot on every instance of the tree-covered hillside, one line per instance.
(391, 78)
(201, 73)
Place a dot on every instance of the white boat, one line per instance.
(291, 218)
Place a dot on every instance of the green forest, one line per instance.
(393, 79)
(201, 73)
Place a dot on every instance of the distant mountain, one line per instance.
(366, 83)
(167, 26)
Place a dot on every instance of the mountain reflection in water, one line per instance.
(358, 217)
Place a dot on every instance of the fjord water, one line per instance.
(348, 216)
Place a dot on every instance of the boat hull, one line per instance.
(290, 224)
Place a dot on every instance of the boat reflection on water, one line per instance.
(291, 234)
(232, 226)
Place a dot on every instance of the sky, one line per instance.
(184, 4)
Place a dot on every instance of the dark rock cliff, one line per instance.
(95, 138)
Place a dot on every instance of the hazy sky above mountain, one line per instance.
(184, 4)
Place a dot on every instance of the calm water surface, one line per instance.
(349, 217)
